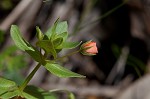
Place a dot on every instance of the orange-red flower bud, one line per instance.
(89, 48)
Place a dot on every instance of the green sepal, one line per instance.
(83, 51)
(61, 71)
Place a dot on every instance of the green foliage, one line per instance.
(19, 41)
(15, 61)
(71, 95)
(10, 63)
(32, 92)
(24, 45)
(6, 83)
(62, 27)
(52, 42)
(71, 45)
(61, 71)
(9, 89)
(6, 4)
(47, 46)
(55, 39)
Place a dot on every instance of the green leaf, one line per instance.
(32, 92)
(61, 71)
(52, 31)
(4, 83)
(10, 94)
(5, 87)
(69, 45)
(62, 27)
(19, 41)
(48, 46)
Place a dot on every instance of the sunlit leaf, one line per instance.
(5, 88)
(19, 41)
(69, 45)
(10, 94)
(62, 27)
(6, 83)
(61, 71)
(52, 31)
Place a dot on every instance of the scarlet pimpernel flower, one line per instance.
(89, 48)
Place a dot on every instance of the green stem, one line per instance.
(29, 77)
(67, 55)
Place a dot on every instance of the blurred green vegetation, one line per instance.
(11, 63)
(6, 4)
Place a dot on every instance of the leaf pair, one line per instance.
(9, 89)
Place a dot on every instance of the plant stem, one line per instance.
(67, 55)
(29, 77)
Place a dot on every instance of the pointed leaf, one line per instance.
(9, 94)
(52, 31)
(69, 45)
(62, 27)
(6, 83)
(6, 86)
(19, 41)
(61, 71)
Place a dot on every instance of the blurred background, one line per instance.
(121, 29)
